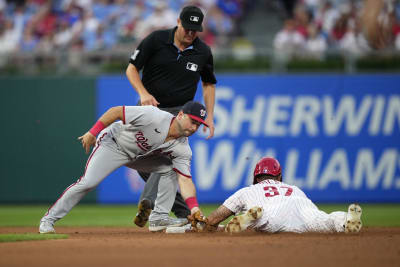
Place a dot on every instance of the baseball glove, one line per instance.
(200, 223)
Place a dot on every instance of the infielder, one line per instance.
(146, 139)
(285, 208)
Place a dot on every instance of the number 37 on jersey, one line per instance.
(271, 191)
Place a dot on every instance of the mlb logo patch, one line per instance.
(191, 66)
(194, 18)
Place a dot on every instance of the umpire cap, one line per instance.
(192, 18)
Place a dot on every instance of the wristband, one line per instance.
(192, 202)
(97, 128)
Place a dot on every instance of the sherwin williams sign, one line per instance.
(337, 137)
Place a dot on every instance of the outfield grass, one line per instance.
(29, 236)
(122, 215)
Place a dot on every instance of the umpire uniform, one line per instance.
(171, 76)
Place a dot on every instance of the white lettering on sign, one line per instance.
(393, 112)
(345, 112)
(223, 160)
(384, 170)
(305, 112)
(253, 116)
(285, 115)
(319, 170)
(277, 115)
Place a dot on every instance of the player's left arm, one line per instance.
(219, 215)
(188, 192)
(209, 100)
(111, 115)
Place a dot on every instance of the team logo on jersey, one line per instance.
(194, 18)
(133, 57)
(141, 141)
(191, 66)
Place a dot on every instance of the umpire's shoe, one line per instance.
(159, 225)
(144, 210)
(353, 222)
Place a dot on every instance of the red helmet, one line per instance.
(268, 166)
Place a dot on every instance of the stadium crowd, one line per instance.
(95, 25)
(313, 27)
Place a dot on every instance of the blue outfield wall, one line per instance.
(337, 136)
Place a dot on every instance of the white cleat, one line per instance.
(353, 222)
(46, 227)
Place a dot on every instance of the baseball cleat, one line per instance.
(46, 227)
(144, 210)
(353, 222)
(164, 223)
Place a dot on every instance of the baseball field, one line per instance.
(104, 235)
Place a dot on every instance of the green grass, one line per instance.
(29, 236)
(122, 215)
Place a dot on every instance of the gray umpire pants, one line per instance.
(179, 208)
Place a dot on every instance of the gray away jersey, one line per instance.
(141, 134)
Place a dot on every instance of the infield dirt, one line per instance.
(106, 246)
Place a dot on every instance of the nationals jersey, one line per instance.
(285, 209)
(142, 133)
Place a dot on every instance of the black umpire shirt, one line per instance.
(171, 75)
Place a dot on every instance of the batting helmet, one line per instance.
(268, 166)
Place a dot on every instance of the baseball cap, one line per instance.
(196, 111)
(192, 18)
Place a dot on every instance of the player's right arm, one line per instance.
(219, 215)
(138, 60)
(111, 115)
(134, 78)
(232, 205)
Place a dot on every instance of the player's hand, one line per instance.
(210, 123)
(197, 220)
(87, 140)
(148, 100)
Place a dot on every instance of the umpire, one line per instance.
(172, 62)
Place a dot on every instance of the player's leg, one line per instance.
(149, 194)
(147, 198)
(102, 161)
(167, 188)
(322, 222)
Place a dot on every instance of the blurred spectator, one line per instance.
(353, 41)
(46, 43)
(162, 18)
(63, 34)
(316, 44)
(326, 17)
(288, 42)
(301, 18)
(89, 31)
(9, 37)
(219, 25)
(29, 41)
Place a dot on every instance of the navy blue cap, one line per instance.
(196, 111)
(192, 18)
